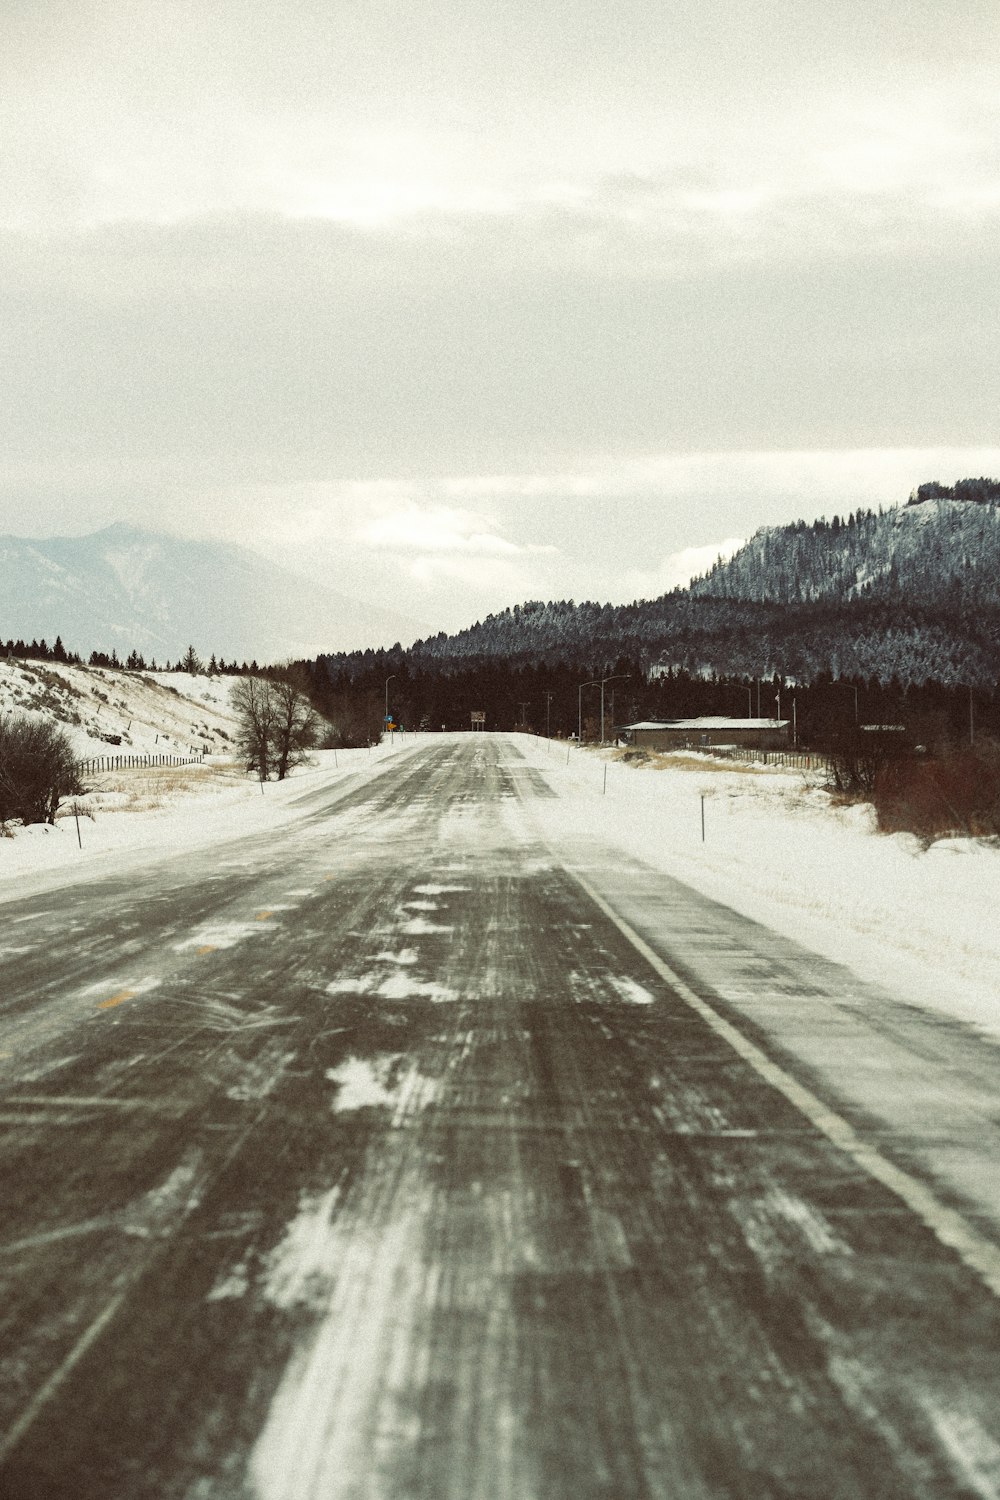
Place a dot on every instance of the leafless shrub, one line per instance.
(934, 796)
(859, 757)
(38, 768)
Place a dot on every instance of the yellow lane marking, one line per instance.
(262, 916)
(117, 999)
(206, 948)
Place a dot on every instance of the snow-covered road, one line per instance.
(427, 1141)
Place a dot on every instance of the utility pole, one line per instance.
(619, 677)
(548, 716)
(524, 712)
(579, 709)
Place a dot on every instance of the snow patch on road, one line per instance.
(112, 986)
(220, 935)
(361, 1084)
(631, 991)
(421, 927)
(303, 1268)
(405, 956)
(398, 986)
(386, 1081)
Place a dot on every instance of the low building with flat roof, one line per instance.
(707, 733)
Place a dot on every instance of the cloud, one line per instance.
(436, 529)
(677, 570)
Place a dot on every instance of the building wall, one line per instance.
(691, 739)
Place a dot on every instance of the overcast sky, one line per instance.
(465, 302)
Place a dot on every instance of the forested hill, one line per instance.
(911, 594)
(937, 551)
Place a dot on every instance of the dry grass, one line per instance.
(676, 760)
(150, 788)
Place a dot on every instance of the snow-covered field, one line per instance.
(921, 922)
(136, 815)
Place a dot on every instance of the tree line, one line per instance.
(135, 661)
(561, 699)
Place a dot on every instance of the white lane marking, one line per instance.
(978, 1253)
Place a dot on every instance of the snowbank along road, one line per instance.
(410, 1151)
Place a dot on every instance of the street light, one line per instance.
(389, 679)
(579, 709)
(548, 716)
(620, 677)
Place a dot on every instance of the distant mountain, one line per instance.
(911, 594)
(123, 587)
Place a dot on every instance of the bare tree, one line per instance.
(38, 767)
(296, 722)
(252, 700)
(277, 723)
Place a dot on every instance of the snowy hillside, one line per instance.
(109, 712)
(940, 552)
(123, 588)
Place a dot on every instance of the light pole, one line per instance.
(620, 677)
(548, 716)
(749, 703)
(392, 678)
(579, 709)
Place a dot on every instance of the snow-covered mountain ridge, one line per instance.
(942, 551)
(124, 588)
(911, 594)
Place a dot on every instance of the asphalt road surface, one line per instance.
(403, 1154)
